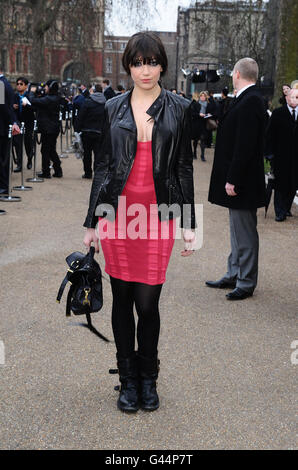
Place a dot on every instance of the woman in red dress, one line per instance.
(146, 168)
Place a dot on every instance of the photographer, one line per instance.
(24, 114)
(48, 107)
(90, 123)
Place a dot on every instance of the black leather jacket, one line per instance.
(171, 153)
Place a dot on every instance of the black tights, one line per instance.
(145, 298)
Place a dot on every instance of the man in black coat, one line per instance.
(7, 117)
(48, 124)
(90, 121)
(238, 181)
(24, 114)
(107, 89)
(224, 103)
(282, 143)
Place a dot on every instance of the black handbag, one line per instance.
(85, 293)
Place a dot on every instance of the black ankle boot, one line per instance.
(58, 172)
(129, 391)
(148, 372)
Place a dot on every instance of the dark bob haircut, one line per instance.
(146, 45)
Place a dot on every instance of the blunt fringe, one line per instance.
(145, 44)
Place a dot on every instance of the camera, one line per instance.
(40, 88)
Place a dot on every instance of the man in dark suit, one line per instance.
(48, 107)
(90, 122)
(107, 89)
(7, 117)
(282, 143)
(24, 114)
(238, 181)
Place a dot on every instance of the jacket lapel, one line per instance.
(125, 115)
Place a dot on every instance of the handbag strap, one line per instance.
(93, 329)
(62, 287)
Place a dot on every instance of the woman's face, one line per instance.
(286, 90)
(145, 76)
(202, 98)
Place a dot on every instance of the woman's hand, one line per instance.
(91, 237)
(189, 238)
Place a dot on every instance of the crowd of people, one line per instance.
(47, 102)
(144, 143)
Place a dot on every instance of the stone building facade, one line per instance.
(214, 35)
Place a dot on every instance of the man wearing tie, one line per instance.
(282, 144)
(238, 181)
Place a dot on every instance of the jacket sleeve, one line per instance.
(184, 173)
(101, 171)
(42, 102)
(78, 123)
(247, 137)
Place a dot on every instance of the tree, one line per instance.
(135, 12)
(33, 20)
(287, 46)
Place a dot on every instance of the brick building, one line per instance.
(62, 60)
(112, 61)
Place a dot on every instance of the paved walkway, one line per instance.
(226, 378)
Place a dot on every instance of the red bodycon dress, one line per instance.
(137, 246)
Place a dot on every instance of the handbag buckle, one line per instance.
(86, 301)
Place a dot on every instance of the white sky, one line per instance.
(164, 19)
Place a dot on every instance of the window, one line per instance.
(222, 46)
(109, 45)
(16, 21)
(78, 33)
(109, 66)
(122, 46)
(29, 25)
(3, 60)
(19, 65)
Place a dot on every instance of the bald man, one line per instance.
(237, 179)
(282, 143)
